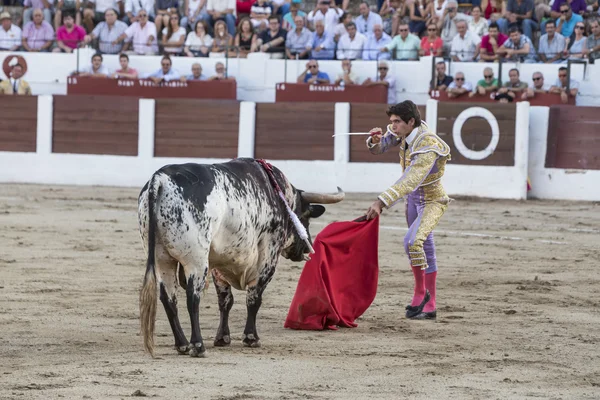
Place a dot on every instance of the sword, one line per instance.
(352, 134)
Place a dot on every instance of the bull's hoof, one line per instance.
(251, 341)
(183, 349)
(223, 341)
(197, 350)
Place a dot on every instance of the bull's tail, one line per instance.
(148, 296)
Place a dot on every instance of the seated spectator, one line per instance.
(447, 24)
(417, 11)
(347, 77)
(142, 34)
(578, 7)
(164, 10)
(490, 43)
(392, 12)
(518, 48)
(69, 36)
(15, 84)
(288, 19)
(493, 10)
(442, 81)
(323, 45)
(340, 29)
(406, 44)
(37, 34)
(196, 11)
(173, 36)
(93, 13)
(196, 74)
(273, 39)
(465, 43)
(511, 89)
(259, 14)
(133, 8)
(222, 10)
(125, 71)
(312, 75)
(567, 21)
(538, 86)
(221, 74)
(478, 25)
(593, 41)
(329, 16)
(10, 34)
(72, 7)
(367, 19)
(486, 85)
(29, 6)
(351, 45)
(108, 32)
(519, 13)
(222, 40)
(383, 78)
(96, 69)
(198, 42)
(245, 39)
(459, 87)
(376, 40)
(431, 44)
(560, 86)
(298, 42)
(578, 49)
(243, 8)
(165, 73)
(551, 45)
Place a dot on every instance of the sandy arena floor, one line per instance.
(518, 310)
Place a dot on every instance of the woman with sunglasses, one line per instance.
(431, 43)
(579, 48)
(173, 36)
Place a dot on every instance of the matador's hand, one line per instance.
(375, 135)
(375, 209)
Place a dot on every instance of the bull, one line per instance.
(226, 219)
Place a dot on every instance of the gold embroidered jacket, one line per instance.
(423, 156)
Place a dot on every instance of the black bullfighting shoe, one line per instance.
(413, 311)
(432, 315)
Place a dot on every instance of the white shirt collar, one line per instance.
(413, 135)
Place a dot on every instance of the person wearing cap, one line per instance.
(10, 34)
(15, 84)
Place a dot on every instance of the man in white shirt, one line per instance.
(376, 41)
(464, 45)
(166, 72)
(329, 16)
(367, 19)
(351, 44)
(222, 9)
(560, 86)
(143, 36)
(133, 7)
(96, 69)
(10, 34)
(384, 79)
(539, 86)
(347, 77)
(459, 87)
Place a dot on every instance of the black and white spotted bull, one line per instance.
(226, 218)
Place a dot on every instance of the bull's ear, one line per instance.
(316, 210)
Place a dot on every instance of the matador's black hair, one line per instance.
(406, 110)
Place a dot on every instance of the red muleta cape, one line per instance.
(339, 282)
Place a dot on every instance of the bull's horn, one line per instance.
(320, 198)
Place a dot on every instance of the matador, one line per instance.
(423, 156)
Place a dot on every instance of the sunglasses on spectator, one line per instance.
(537, 79)
(383, 68)
(459, 79)
(580, 27)
(142, 15)
(312, 66)
(564, 11)
(488, 76)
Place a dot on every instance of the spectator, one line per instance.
(194, 11)
(567, 21)
(538, 86)
(465, 44)
(384, 79)
(196, 74)
(486, 85)
(15, 84)
(442, 81)
(165, 73)
(477, 24)
(312, 75)
(222, 40)
(406, 44)
(108, 32)
(392, 12)
(376, 41)
(418, 14)
(125, 71)
(439, 8)
(298, 42)
(351, 45)
(245, 39)
(431, 44)
(164, 10)
(551, 45)
(343, 4)
(367, 19)
(199, 42)
(10, 34)
(511, 89)
(142, 34)
(577, 6)
(94, 11)
(259, 14)
(329, 16)
(273, 39)
(518, 48)
(37, 34)
(493, 10)
(69, 36)
(340, 29)
(322, 43)
(72, 7)
(222, 10)
(96, 69)
(593, 41)
(173, 36)
(459, 87)
(289, 18)
(281, 7)
(578, 49)
(519, 13)
(346, 77)
(490, 44)
(560, 86)
(133, 8)
(221, 74)
(29, 6)
(542, 11)
(243, 7)
(447, 24)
